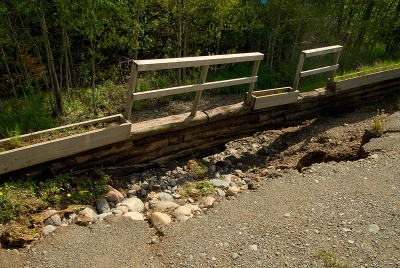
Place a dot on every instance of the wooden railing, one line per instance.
(317, 52)
(174, 63)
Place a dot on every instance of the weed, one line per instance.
(65, 189)
(197, 168)
(330, 260)
(377, 122)
(136, 105)
(197, 189)
(19, 200)
(14, 135)
(378, 66)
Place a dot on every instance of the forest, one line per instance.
(51, 48)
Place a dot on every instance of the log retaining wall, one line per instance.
(182, 136)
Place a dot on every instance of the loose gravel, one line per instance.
(345, 212)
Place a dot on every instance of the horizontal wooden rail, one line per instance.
(321, 51)
(191, 88)
(317, 52)
(174, 63)
(204, 62)
(319, 70)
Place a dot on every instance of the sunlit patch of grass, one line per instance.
(19, 200)
(378, 66)
(377, 122)
(330, 260)
(197, 190)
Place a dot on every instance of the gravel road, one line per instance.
(347, 213)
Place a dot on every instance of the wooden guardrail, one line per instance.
(174, 63)
(317, 52)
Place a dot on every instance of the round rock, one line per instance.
(133, 204)
(134, 216)
(113, 195)
(159, 219)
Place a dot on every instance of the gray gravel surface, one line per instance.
(349, 209)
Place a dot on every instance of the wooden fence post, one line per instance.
(333, 72)
(251, 85)
(298, 71)
(132, 87)
(203, 76)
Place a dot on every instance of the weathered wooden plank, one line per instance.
(203, 77)
(166, 124)
(265, 92)
(367, 79)
(321, 51)
(173, 63)
(132, 87)
(113, 118)
(319, 70)
(298, 70)
(225, 112)
(251, 85)
(331, 81)
(46, 151)
(275, 100)
(148, 147)
(191, 88)
(273, 97)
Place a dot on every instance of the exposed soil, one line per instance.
(319, 140)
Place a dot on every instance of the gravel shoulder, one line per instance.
(349, 209)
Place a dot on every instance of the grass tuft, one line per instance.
(330, 259)
(377, 122)
(197, 190)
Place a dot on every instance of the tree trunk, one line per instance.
(93, 72)
(185, 45)
(19, 51)
(65, 55)
(180, 41)
(274, 39)
(50, 60)
(9, 73)
(136, 53)
(71, 69)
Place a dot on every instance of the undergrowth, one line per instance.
(19, 199)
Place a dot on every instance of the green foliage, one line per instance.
(110, 99)
(65, 190)
(330, 259)
(15, 140)
(18, 200)
(197, 189)
(30, 115)
(377, 66)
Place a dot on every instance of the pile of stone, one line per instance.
(155, 196)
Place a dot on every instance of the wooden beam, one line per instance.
(298, 71)
(333, 72)
(319, 70)
(321, 51)
(173, 63)
(251, 85)
(203, 77)
(190, 88)
(132, 87)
